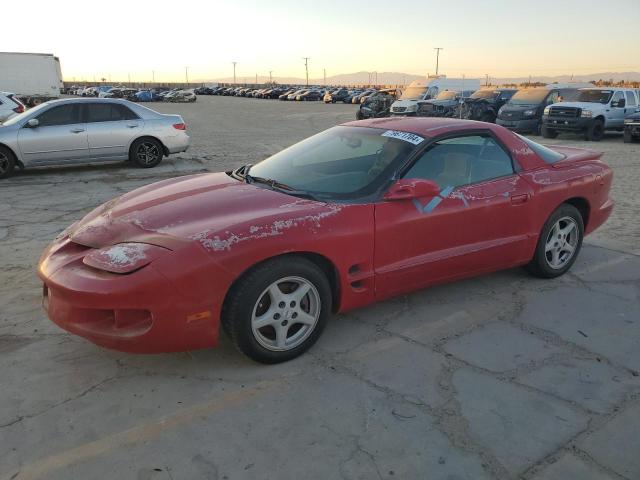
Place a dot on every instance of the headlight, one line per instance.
(529, 113)
(547, 110)
(412, 108)
(586, 114)
(631, 120)
(123, 257)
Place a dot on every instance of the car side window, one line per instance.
(617, 97)
(631, 99)
(60, 115)
(458, 161)
(553, 98)
(108, 112)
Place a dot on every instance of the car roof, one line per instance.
(423, 126)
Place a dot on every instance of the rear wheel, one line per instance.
(278, 310)
(595, 131)
(548, 132)
(559, 243)
(146, 152)
(7, 162)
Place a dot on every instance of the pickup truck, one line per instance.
(594, 111)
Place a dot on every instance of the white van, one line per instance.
(421, 90)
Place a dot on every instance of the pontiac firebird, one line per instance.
(353, 215)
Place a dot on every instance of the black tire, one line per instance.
(538, 129)
(548, 132)
(628, 138)
(146, 152)
(540, 264)
(247, 294)
(595, 131)
(359, 115)
(7, 162)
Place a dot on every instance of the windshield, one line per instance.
(447, 95)
(529, 97)
(594, 96)
(484, 94)
(339, 162)
(413, 93)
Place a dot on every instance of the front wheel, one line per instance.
(595, 131)
(548, 132)
(559, 243)
(146, 152)
(278, 310)
(7, 162)
(628, 138)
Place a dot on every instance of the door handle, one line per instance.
(77, 130)
(132, 126)
(519, 199)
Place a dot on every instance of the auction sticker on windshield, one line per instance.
(406, 136)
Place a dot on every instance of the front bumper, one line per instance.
(153, 310)
(522, 125)
(633, 128)
(576, 124)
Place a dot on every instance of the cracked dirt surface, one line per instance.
(498, 377)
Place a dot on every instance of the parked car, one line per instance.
(268, 252)
(377, 105)
(632, 127)
(419, 91)
(182, 96)
(9, 106)
(309, 95)
(594, 111)
(89, 130)
(334, 96)
(484, 104)
(285, 95)
(445, 104)
(523, 111)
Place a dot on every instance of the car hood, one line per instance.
(519, 108)
(195, 208)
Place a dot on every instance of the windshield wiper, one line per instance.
(279, 186)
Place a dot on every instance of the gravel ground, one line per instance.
(497, 377)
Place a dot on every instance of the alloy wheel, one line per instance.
(147, 153)
(561, 242)
(285, 314)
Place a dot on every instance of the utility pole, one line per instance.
(256, 79)
(270, 77)
(306, 67)
(129, 76)
(153, 76)
(376, 72)
(437, 49)
(486, 79)
(186, 75)
(324, 76)
(234, 72)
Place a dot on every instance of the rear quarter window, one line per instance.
(545, 153)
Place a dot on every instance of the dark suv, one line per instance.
(484, 104)
(523, 112)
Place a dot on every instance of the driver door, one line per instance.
(479, 221)
(60, 137)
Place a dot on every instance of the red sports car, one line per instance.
(350, 216)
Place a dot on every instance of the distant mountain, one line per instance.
(399, 78)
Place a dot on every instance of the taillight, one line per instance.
(180, 126)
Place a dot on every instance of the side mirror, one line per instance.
(33, 123)
(410, 188)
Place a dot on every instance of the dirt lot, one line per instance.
(498, 377)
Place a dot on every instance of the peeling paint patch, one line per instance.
(216, 242)
(125, 254)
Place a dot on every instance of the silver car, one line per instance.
(62, 132)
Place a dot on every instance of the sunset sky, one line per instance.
(499, 37)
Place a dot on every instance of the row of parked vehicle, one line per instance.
(545, 111)
(160, 94)
(296, 93)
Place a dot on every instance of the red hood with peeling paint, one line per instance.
(197, 207)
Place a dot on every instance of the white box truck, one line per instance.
(33, 77)
(421, 90)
